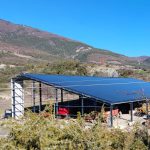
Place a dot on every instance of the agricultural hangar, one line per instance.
(100, 90)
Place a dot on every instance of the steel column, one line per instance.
(62, 95)
(95, 104)
(147, 108)
(111, 115)
(13, 97)
(82, 105)
(56, 103)
(33, 95)
(131, 111)
(40, 96)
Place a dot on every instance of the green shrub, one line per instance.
(34, 132)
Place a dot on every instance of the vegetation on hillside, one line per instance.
(62, 67)
(68, 67)
(143, 74)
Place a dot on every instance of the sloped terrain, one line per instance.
(147, 61)
(37, 45)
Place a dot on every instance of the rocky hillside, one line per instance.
(147, 61)
(21, 44)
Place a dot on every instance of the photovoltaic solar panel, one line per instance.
(108, 90)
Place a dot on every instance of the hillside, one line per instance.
(147, 60)
(26, 44)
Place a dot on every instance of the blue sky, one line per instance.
(122, 26)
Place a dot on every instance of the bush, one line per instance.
(38, 133)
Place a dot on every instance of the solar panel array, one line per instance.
(108, 90)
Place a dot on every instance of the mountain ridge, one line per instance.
(43, 45)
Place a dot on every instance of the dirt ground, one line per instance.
(5, 101)
(4, 132)
(124, 121)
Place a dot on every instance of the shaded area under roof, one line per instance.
(107, 90)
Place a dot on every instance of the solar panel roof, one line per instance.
(107, 90)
